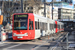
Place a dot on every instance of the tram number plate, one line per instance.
(19, 37)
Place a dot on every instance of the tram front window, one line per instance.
(20, 22)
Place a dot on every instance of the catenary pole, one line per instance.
(22, 6)
(45, 8)
(52, 9)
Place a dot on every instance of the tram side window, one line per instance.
(46, 27)
(62, 26)
(50, 25)
(31, 25)
(43, 26)
(58, 26)
(55, 25)
(36, 27)
(40, 25)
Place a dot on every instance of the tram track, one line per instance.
(56, 42)
(35, 40)
(36, 43)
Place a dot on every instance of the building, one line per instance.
(8, 8)
(54, 0)
(74, 12)
(67, 1)
(55, 12)
(65, 10)
(39, 10)
(66, 13)
(14, 6)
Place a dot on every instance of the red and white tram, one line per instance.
(28, 26)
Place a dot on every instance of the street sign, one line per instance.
(1, 19)
(53, 8)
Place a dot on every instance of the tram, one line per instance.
(29, 26)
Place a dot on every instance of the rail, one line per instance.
(56, 47)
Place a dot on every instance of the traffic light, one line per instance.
(1, 19)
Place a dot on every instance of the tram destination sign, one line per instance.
(21, 16)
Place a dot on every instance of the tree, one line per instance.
(7, 9)
(31, 4)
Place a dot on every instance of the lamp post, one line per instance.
(45, 8)
(22, 6)
(52, 9)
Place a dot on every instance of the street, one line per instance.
(44, 44)
(37, 24)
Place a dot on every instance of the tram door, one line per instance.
(31, 29)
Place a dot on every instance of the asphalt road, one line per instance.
(12, 46)
(44, 44)
(28, 45)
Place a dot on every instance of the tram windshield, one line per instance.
(20, 22)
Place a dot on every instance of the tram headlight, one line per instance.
(26, 34)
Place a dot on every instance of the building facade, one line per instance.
(65, 10)
(74, 12)
(55, 12)
(67, 1)
(65, 13)
(15, 7)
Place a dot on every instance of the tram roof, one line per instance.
(42, 17)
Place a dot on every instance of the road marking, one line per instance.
(13, 49)
(3, 44)
(14, 46)
(41, 44)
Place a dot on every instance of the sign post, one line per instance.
(0, 11)
(1, 19)
(0, 31)
(67, 41)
